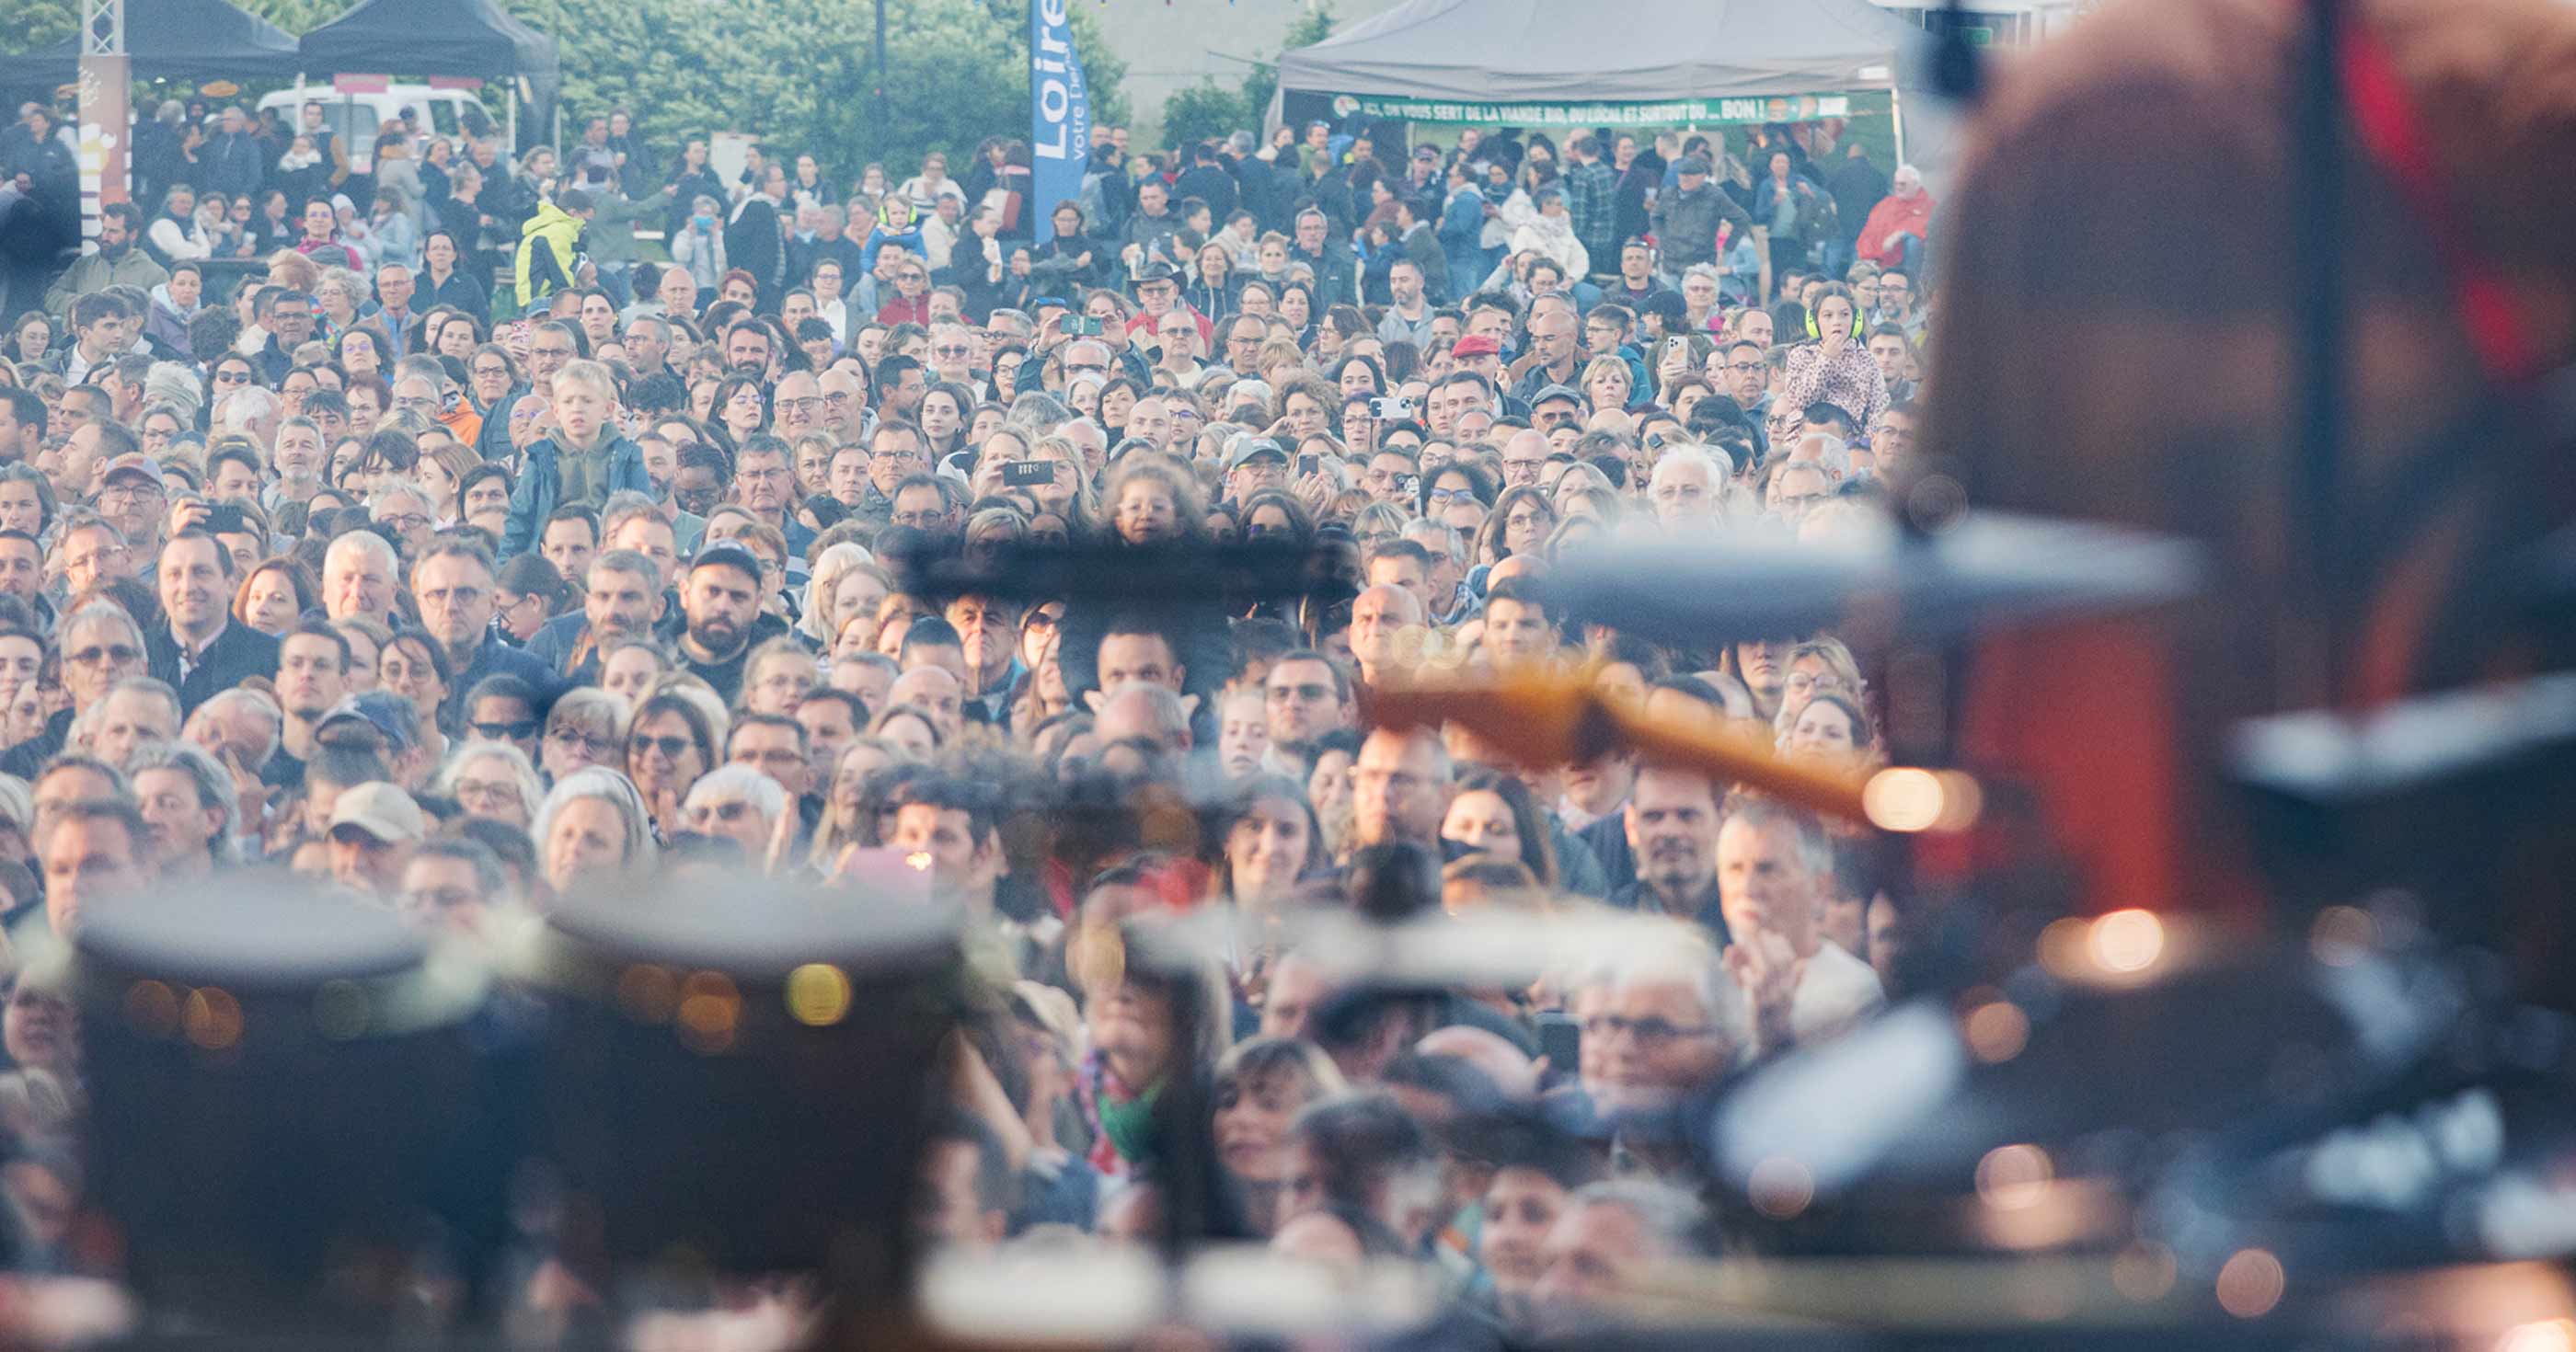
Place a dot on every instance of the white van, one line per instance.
(357, 118)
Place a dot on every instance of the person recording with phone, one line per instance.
(699, 245)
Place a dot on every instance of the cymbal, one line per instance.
(1989, 570)
(2129, 1033)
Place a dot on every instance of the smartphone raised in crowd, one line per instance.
(1308, 464)
(1390, 408)
(1028, 473)
(225, 518)
(1081, 326)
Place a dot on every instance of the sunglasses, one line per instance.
(517, 731)
(672, 748)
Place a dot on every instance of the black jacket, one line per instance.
(1211, 185)
(237, 654)
(1637, 896)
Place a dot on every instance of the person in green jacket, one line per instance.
(548, 257)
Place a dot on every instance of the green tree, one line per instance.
(30, 24)
(801, 74)
(1202, 112)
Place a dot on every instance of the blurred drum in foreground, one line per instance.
(733, 1079)
(278, 1082)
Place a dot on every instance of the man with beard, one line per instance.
(115, 263)
(202, 651)
(1672, 829)
(719, 600)
(621, 599)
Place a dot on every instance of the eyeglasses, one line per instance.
(1744, 368)
(129, 492)
(806, 405)
(486, 791)
(232, 377)
(952, 350)
(408, 522)
(516, 731)
(1650, 1031)
(672, 748)
(1038, 619)
(116, 653)
(590, 742)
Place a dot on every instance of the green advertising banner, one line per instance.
(1666, 113)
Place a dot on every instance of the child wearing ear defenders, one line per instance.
(894, 226)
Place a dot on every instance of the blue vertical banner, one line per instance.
(1059, 115)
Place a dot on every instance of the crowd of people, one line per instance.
(474, 555)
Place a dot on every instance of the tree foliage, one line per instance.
(801, 74)
(1202, 112)
(28, 24)
(1209, 110)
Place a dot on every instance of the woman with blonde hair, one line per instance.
(817, 620)
(593, 831)
(586, 727)
(440, 473)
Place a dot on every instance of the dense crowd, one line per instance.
(472, 554)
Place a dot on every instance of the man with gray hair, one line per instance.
(358, 573)
(187, 799)
(1660, 1024)
(250, 411)
(100, 644)
(1774, 875)
(1826, 452)
(137, 711)
(1142, 709)
(1609, 1238)
(1687, 489)
(737, 802)
(243, 726)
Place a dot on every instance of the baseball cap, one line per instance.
(381, 810)
(726, 553)
(1691, 164)
(384, 711)
(1565, 392)
(1249, 447)
(135, 462)
(1476, 345)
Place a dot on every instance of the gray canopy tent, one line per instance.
(1584, 63)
